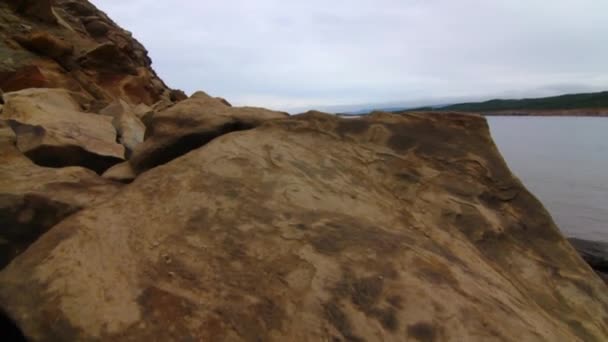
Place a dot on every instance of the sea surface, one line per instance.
(564, 162)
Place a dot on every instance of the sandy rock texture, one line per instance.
(190, 124)
(52, 130)
(71, 44)
(34, 198)
(314, 228)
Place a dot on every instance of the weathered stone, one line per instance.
(97, 28)
(34, 198)
(107, 57)
(314, 228)
(130, 129)
(177, 95)
(44, 43)
(52, 131)
(36, 9)
(21, 78)
(190, 124)
(122, 173)
(36, 54)
(224, 101)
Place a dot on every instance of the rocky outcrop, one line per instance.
(33, 198)
(190, 124)
(71, 44)
(314, 228)
(129, 127)
(249, 224)
(53, 132)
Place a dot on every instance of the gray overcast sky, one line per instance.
(297, 54)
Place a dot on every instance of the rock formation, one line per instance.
(246, 224)
(71, 44)
(191, 124)
(53, 132)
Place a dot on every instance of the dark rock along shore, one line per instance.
(130, 211)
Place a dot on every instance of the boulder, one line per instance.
(52, 131)
(130, 129)
(314, 228)
(34, 198)
(122, 173)
(97, 28)
(190, 124)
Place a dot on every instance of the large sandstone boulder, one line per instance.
(34, 198)
(53, 132)
(192, 123)
(130, 129)
(314, 228)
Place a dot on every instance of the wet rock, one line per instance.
(314, 228)
(52, 131)
(190, 124)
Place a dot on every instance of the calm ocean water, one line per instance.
(564, 162)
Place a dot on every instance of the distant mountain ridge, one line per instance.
(580, 104)
(591, 103)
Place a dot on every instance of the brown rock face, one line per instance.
(71, 44)
(53, 132)
(129, 127)
(314, 228)
(33, 198)
(190, 124)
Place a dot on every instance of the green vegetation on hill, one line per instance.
(571, 101)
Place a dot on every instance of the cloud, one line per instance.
(288, 54)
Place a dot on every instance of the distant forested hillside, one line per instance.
(571, 101)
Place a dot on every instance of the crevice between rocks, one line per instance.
(185, 144)
(62, 156)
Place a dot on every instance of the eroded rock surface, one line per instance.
(190, 124)
(34, 198)
(71, 44)
(314, 228)
(52, 131)
(130, 128)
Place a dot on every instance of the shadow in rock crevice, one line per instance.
(182, 145)
(9, 331)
